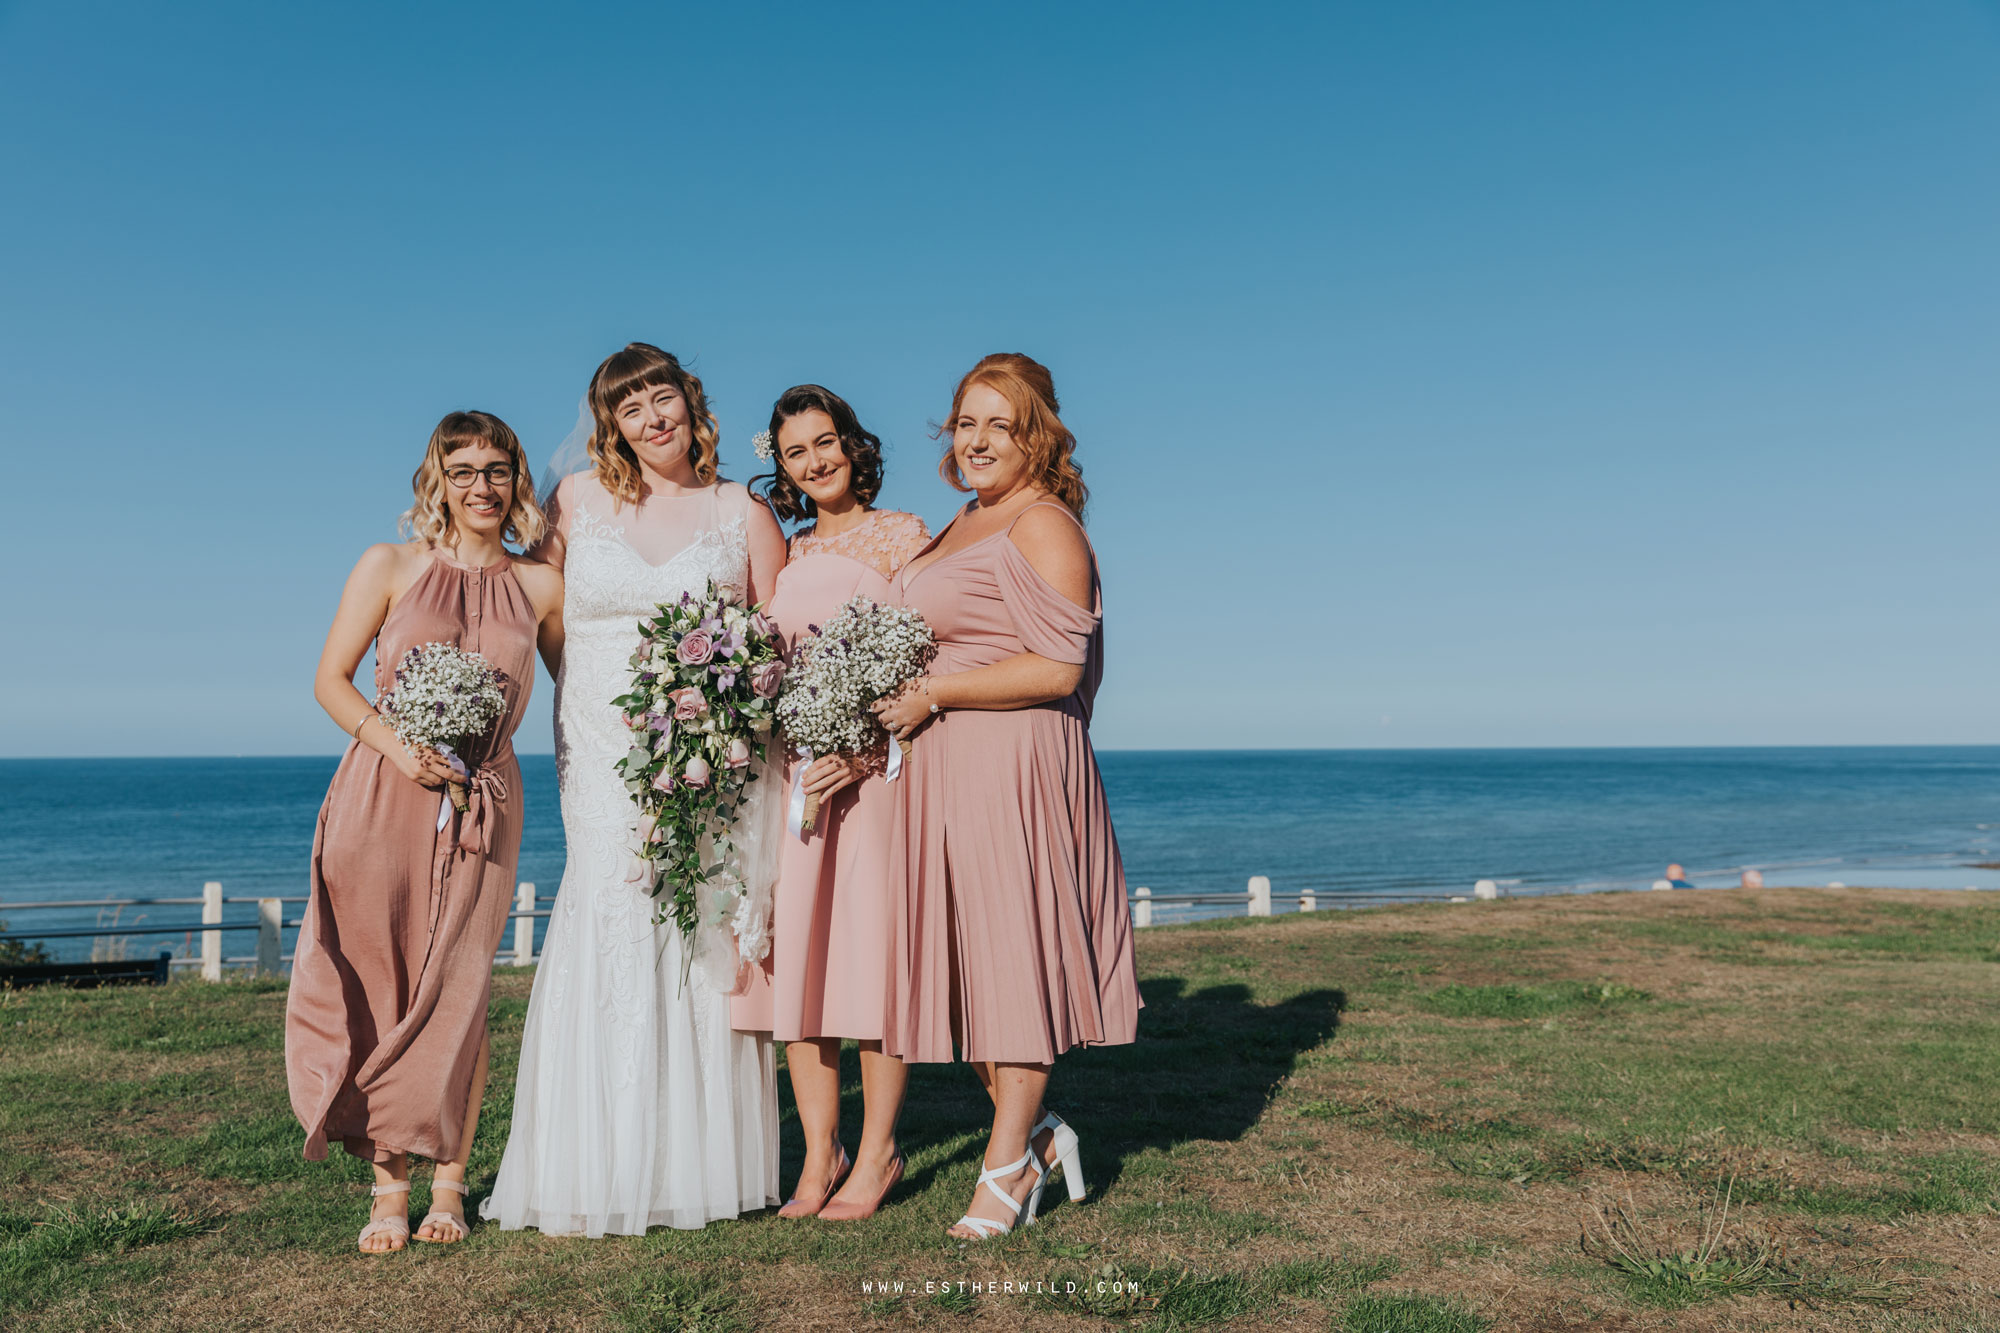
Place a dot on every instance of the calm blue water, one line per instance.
(1334, 821)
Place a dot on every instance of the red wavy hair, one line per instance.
(1038, 429)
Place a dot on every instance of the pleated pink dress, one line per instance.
(828, 973)
(1013, 939)
(395, 956)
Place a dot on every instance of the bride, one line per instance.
(636, 1104)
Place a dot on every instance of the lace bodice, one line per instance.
(882, 541)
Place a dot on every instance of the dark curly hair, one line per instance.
(863, 450)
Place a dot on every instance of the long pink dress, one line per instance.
(828, 972)
(395, 957)
(1013, 938)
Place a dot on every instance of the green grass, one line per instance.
(1513, 1000)
(1408, 1314)
(1316, 1107)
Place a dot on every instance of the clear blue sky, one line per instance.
(1446, 374)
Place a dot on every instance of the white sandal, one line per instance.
(1023, 1211)
(1068, 1158)
(439, 1218)
(397, 1227)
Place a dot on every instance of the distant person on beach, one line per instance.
(385, 1025)
(829, 973)
(1014, 941)
(1677, 878)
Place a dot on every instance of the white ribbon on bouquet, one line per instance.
(795, 814)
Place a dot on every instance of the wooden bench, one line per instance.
(125, 972)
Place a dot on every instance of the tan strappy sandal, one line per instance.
(439, 1218)
(396, 1228)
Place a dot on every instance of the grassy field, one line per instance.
(1703, 1111)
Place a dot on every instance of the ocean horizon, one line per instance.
(1345, 822)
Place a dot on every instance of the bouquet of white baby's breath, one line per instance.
(444, 699)
(866, 650)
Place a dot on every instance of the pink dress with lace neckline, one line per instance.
(882, 541)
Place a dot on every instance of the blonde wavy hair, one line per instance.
(1031, 392)
(644, 366)
(429, 519)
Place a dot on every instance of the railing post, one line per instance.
(524, 927)
(1142, 909)
(270, 924)
(1307, 902)
(211, 940)
(1260, 895)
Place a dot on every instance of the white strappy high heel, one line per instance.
(1023, 1212)
(1068, 1157)
(396, 1228)
(437, 1217)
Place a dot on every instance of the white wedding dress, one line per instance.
(636, 1104)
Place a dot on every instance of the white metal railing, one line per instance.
(270, 925)
(1257, 899)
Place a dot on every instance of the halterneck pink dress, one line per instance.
(395, 955)
(1013, 939)
(828, 972)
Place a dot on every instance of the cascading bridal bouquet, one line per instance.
(444, 698)
(866, 650)
(704, 681)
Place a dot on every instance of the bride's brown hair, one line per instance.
(1030, 392)
(623, 373)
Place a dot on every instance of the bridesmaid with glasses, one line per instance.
(385, 1023)
(828, 975)
(1013, 940)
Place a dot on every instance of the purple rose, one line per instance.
(695, 648)
(688, 703)
(767, 680)
(697, 773)
(762, 626)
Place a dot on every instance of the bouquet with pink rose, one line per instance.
(705, 678)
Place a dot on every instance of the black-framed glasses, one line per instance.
(496, 474)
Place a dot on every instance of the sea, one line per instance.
(1347, 825)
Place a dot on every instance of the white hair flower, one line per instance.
(762, 443)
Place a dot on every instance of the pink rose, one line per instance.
(767, 680)
(739, 754)
(688, 703)
(663, 781)
(698, 771)
(695, 648)
(762, 625)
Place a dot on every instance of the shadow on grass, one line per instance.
(1203, 1067)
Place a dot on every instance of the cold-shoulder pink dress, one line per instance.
(828, 973)
(395, 955)
(1013, 938)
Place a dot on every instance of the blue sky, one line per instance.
(1445, 374)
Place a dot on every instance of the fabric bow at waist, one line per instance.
(482, 790)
